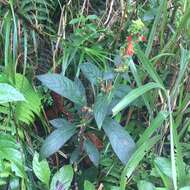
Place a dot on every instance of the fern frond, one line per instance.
(26, 111)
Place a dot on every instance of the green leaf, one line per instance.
(153, 30)
(41, 169)
(134, 94)
(92, 17)
(101, 108)
(122, 143)
(91, 72)
(163, 167)
(92, 152)
(145, 185)
(148, 66)
(88, 185)
(9, 147)
(9, 94)
(64, 87)
(138, 80)
(135, 159)
(77, 20)
(56, 140)
(184, 61)
(62, 179)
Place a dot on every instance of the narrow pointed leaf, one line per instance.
(135, 159)
(134, 94)
(100, 109)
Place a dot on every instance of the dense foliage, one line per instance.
(94, 95)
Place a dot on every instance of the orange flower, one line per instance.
(130, 50)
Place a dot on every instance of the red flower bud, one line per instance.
(143, 38)
(129, 38)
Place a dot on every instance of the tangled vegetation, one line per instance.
(94, 95)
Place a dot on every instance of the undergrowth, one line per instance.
(94, 95)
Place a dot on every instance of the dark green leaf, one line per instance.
(101, 108)
(92, 152)
(61, 123)
(64, 87)
(91, 71)
(122, 143)
(56, 140)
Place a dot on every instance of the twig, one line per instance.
(110, 11)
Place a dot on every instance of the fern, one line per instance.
(25, 111)
(38, 13)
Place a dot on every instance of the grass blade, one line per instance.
(134, 94)
(155, 124)
(148, 66)
(135, 159)
(153, 31)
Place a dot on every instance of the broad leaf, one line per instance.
(9, 94)
(10, 150)
(145, 185)
(122, 143)
(92, 152)
(88, 185)
(101, 108)
(56, 140)
(62, 179)
(91, 72)
(41, 169)
(64, 87)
